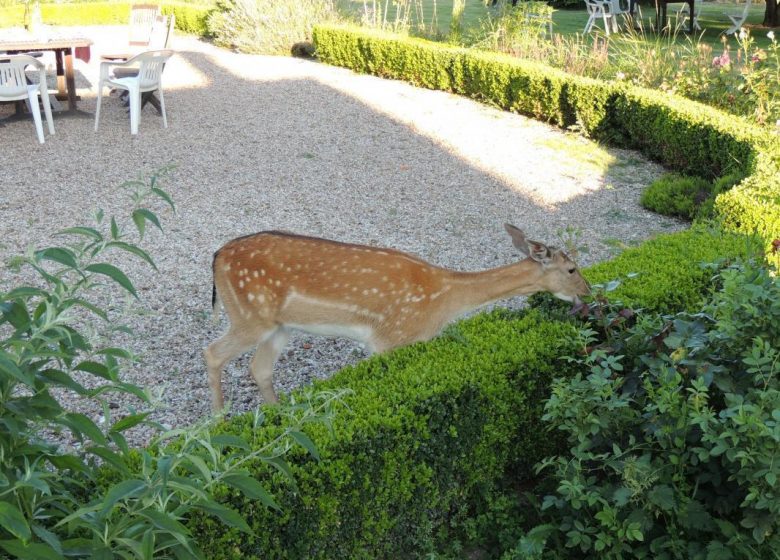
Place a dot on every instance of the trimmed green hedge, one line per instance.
(432, 429)
(676, 195)
(190, 18)
(684, 135)
(667, 272)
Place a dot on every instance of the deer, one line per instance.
(271, 283)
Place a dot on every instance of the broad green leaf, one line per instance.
(84, 231)
(662, 496)
(621, 496)
(9, 368)
(125, 489)
(48, 537)
(143, 215)
(137, 251)
(226, 515)
(129, 421)
(59, 255)
(82, 425)
(167, 523)
(31, 551)
(282, 466)
(57, 377)
(24, 292)
(227, 440)
(165, 196)
(251, 488)
(95, 368)
(12, 520)
(110, 457)
(114, 273)
(16, 314)
(201, 467)
(305, 442)
(91, 307)
(115, 233)
(147, 546)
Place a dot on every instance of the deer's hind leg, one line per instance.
(262, 366)
(221, 351)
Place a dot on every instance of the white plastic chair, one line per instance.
(142, 18)
(737, 18)
(684, 14)
(150, 66)
(14, 87)
(601, 9)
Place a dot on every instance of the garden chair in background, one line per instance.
(142, 18)
(160, 38)
(684, 13)
(602, 9)
(737, 18)
(14, 86)
(149, 67)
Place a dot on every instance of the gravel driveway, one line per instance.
(281, 143)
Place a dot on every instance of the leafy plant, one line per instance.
(71, 486)
(674, 433)
(676, 195)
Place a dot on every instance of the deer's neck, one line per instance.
(471, 290)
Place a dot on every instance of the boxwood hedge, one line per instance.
(431, 431)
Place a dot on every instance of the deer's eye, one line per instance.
(572, 270)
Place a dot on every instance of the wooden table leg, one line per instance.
(70, 80)
(61, 95)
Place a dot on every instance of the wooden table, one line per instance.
(63, 49)
(660, 13)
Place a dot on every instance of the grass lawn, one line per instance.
(572, 21)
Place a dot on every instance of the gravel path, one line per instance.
(281, 143)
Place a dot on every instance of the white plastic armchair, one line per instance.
(737, 18)
(150, 65)
(602, 9)
(15, 87)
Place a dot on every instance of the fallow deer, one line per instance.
(272, 282)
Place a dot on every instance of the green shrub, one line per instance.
(433, 429)
(676, 195)
(719, 186)
(674, 435)
(267, 26)
(666, 274)
(752, 206)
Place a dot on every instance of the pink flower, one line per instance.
(721, 61)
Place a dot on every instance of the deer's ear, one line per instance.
(534, 249)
